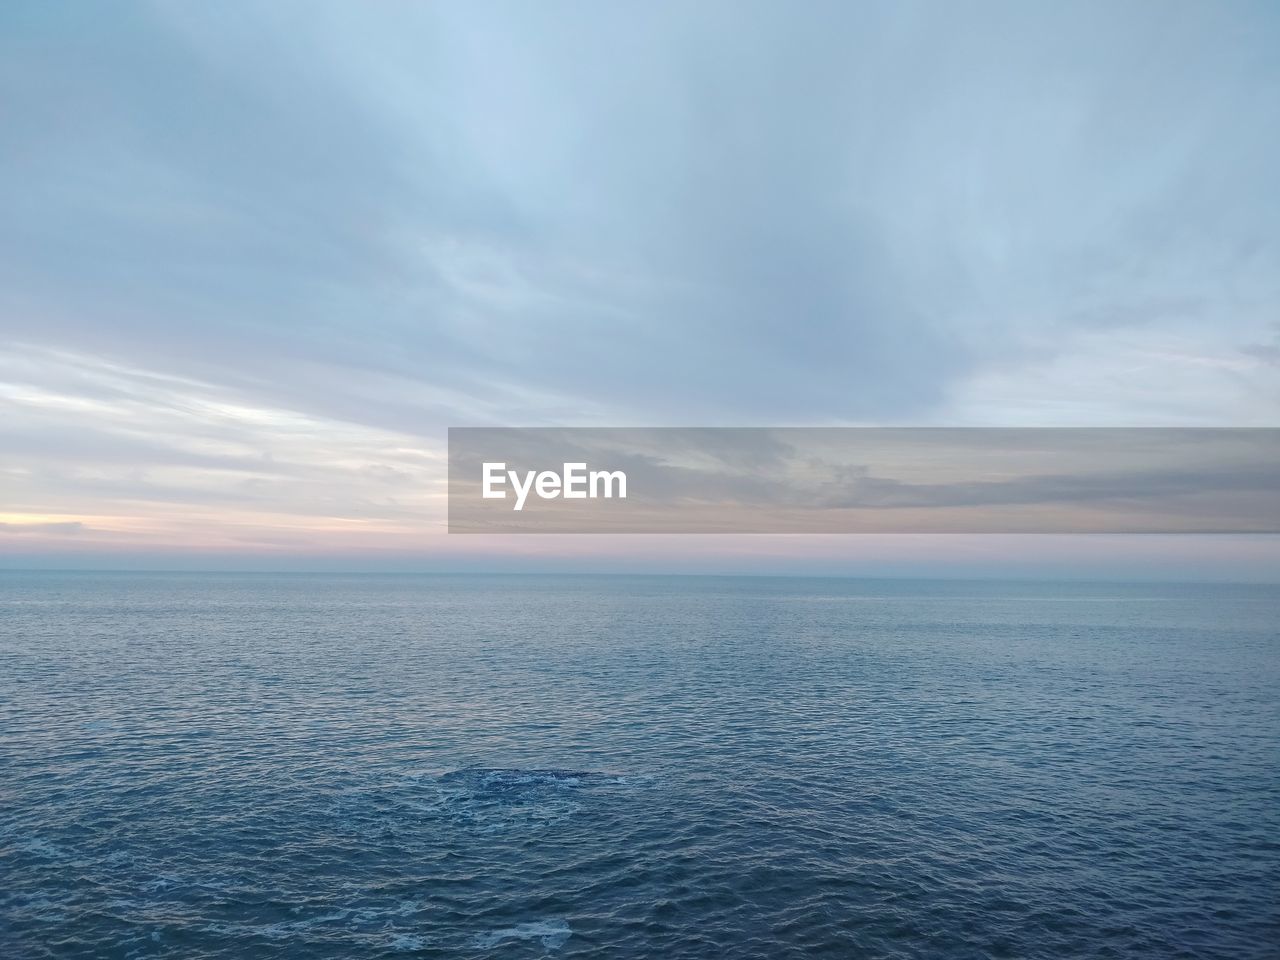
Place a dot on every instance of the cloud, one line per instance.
(736, 214)
(149, 456)
(366, 223)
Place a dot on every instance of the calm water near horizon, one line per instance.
(325, 766)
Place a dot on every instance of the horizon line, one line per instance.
(646, 574)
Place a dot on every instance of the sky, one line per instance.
(256, 258)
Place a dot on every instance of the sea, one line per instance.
(378, 766)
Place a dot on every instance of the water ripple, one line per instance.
(209, 767)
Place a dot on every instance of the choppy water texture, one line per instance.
(318, 766)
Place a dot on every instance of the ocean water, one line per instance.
(353, 767)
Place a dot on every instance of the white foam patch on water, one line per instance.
(407, 943)
(41, 848)
(163, 881)
(552, 933)
(498, 799)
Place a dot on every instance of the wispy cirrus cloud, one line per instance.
(156, 457)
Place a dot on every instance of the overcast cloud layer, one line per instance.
(254, 258)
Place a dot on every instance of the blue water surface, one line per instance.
(322, 766)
